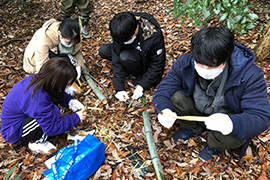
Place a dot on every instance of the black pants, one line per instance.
(184, 105)
(130, 58)
(32, 132)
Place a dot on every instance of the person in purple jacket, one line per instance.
(218, 80)
(30, 111)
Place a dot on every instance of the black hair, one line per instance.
(212, 46)
(123, 26)
(53, 77)
(70, 29)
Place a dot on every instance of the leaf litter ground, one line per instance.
(115, 124)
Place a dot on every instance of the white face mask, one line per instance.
(130, 41)
(208, 73)
(67, 45)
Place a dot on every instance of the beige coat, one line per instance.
(45, 39)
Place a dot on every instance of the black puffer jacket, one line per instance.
(150, 42)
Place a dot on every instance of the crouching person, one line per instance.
(137, 49)
(218, 80)
(30, 111)
(56, 38)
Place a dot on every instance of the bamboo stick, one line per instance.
(93, 108)
(191, 118)
(186, 118)
(93, 85)
(152, 147)
(130, 103)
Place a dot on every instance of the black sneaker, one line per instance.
(207, 153)
(183, 134)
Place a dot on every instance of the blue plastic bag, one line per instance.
(77, 161)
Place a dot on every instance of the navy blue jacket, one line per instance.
(245, 93)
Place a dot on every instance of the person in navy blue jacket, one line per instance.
(218, 80)
(30, 111)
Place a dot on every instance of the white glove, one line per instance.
(138, 92)
(79, 72)
(75, 105)
(219, 122)
(167, 118)
(122, 96)
(70, 90)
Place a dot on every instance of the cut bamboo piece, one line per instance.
(93, 108)
(152, 147)
(93, 86)
(191, 118)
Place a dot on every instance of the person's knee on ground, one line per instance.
(105, 51)
(131, 59)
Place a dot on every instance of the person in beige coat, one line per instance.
(57, 37)
(54, 38)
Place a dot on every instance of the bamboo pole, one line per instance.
(152, 147)
(93, 85)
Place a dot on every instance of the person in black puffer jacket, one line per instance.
(138, 49)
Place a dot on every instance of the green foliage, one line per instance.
(10, 172)
(145, 101)
(234, 14)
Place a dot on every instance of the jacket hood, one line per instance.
(148, 17)
(51, 29)
(148, 25)
(241, 58)
(49, 22)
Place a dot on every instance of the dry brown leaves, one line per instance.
(115, 124)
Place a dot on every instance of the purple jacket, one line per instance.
(18, 105)
(245, 93)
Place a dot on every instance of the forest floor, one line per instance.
(115, 124)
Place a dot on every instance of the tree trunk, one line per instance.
(262, 50)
